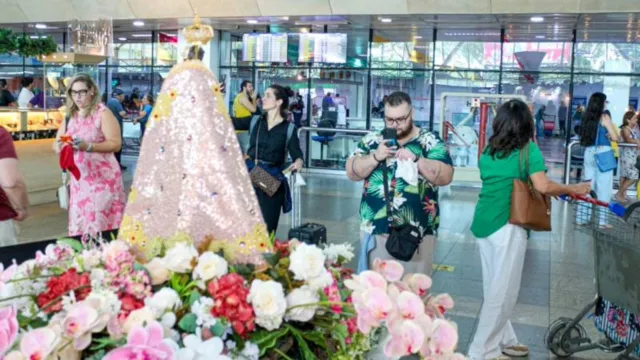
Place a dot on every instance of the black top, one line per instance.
(271, 148)
(6, 98)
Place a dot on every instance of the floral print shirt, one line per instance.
(415, 205)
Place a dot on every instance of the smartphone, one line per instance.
(390, 136)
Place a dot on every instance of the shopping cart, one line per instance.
(617, 265)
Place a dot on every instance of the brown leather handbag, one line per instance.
(530, 209)
(260, 177)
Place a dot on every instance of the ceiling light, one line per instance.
(41, 26)
(304, 30)
(537, 19)
(252, 22)
(34, 37)
(285, 18)
(540, 36)
(385, 20)
(417, 37)
(122, 39)
(141, 35)
(138, 23)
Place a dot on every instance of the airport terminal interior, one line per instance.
(458, 67)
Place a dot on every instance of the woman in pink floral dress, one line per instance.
(97, 198)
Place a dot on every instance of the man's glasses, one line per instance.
(397, 121)
(79, 93)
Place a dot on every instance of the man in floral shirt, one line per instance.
(415, 205)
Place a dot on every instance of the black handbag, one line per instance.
(638, 163)
(403, 242)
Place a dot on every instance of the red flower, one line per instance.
(230, 301)
(51, 300)
(129, 303)
(282, 247)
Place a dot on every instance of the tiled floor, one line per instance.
(557, 279)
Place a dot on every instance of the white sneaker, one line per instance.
(516, 350)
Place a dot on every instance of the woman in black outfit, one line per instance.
(269, 140)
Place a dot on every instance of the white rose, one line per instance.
(158, 271)
(164, 300)
(334, 251)
(307, 262)
(269, 303)
(210, 266)
(91, 259)
(180, 258)
(321, 282)
(302, 296)
(138, 318)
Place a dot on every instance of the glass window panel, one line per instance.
(166, 48)
(347, 107)
(537, 56)
(415, 83)
(609, 57)
(402, 49)
(132, 49)
(467, 55)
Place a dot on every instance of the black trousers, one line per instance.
(271, 207)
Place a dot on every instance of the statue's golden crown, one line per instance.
(198, 33)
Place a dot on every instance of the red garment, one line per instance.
(7, 151)
(68, 163)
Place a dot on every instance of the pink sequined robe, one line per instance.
(97, 200)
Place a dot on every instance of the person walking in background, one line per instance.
(97, 198)
(540, 121)
(413, 204)
(271, 137)
(14, 201)
(26, 94)
(563, 114)
(503, 245)
(145, 112)
(596, 134)
(629, 173)
(117, 109)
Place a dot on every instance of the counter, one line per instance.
(40, 167)
(30, 124)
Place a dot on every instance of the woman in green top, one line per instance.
(502, 245)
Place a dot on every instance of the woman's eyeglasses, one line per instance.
(79, 93)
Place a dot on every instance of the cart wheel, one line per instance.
(632, 215)
(558, 344)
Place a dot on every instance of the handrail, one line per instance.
(567, 163)
(337, 130)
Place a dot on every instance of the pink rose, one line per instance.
(8, 329)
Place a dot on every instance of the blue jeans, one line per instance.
(601, 182)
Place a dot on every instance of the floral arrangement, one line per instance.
(95, 301)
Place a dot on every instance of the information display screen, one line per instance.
(323, 48)
(264, 47)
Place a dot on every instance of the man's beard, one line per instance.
(406, 133)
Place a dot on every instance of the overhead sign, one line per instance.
(92, 37)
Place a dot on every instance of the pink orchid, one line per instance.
(410, 306)
(395, 289)
(81, 321)
(406, 338)
(38, 343)
(372, 308)
(443, 339)
(366, 280)
(418, 283)
(144, 343)
(390, 269)
(439, 304)
(8, 328)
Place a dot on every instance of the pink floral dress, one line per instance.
(97, 200)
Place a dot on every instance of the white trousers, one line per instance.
(8, 234)
(502, 256)
(601, 182)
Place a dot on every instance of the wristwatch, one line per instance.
(90, 147)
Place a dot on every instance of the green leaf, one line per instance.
(382, 214)
(317, 338)
(97, 356)
(340, 333)
(244, 269)
(305, 351)
(218, 329)
(73, 243)
(195, 296)
(268, 339)
(272, 259)
(188, 323)
(411, 189)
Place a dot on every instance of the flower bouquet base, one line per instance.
(95, 301)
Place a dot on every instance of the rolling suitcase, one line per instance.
(315, 234)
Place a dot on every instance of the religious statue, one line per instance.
(191, 182)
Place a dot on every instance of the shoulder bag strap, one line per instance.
(290, 131)
(66, 131)
(385, 180)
